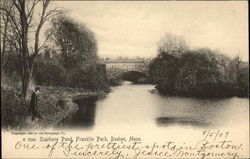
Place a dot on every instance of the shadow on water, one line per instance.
(84, 117)
(168, 121)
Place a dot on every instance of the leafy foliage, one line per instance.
(49, 72)
(53, 105)
(76, 42)
(203, 72)
(172, 45)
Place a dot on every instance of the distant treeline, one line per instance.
(178, 70)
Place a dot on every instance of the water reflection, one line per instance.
(132, 106)
(166, 121)
(85, 116)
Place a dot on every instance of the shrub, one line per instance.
(89, 77)
(13, 110)
(49, 73)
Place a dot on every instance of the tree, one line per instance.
(76, 42)
(164, 68)
(198, 67)
(172, 45)
(6, 37)
(24, 24)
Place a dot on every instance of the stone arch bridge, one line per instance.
(115, 69)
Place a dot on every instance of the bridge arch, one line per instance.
(134, 76)
(126, 70)
(116, 68)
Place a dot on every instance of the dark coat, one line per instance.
(33, 103)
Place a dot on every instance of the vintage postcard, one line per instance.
(124, 79)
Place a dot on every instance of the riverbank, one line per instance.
(207, 90)
(55, 103)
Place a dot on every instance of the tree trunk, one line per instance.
(25, 85)
(26, 75)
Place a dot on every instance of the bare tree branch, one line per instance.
(30, 11)
(19, 24)
(17, 5)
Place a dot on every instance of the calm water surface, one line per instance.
(135, 106)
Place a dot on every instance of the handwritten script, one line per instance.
(214, 144)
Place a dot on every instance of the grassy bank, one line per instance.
(55, 103)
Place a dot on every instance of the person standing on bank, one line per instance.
(33, 104)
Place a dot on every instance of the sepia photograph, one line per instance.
(124, 79)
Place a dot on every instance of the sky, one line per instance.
(134, 28)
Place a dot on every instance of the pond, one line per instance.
(133, 106)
